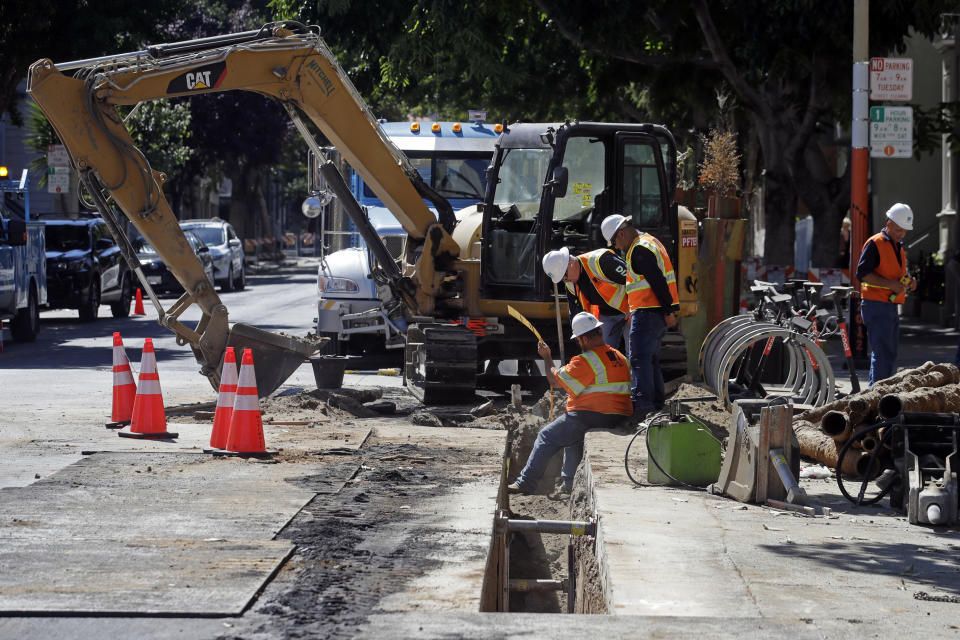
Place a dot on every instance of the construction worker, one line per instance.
(597, 383)
(882, 272)
(595, 283)
(652, 296)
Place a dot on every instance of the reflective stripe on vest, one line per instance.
(639, 293)
(608, 391)
(615, 295)
(888, 268)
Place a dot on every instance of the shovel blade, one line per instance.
(275, 356)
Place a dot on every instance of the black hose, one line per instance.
(859, 435)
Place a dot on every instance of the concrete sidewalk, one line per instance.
(674, 553)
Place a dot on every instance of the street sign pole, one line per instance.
(859, 163)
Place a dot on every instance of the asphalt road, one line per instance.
(64, 379)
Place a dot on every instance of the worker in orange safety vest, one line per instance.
(654, 302)
(597, 383)
(596, 283)
(882, 272)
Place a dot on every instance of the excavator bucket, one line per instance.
(275, 356)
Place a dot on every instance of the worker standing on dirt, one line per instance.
(597, 383)
(654, 302)
(596, 283)
(882, 272)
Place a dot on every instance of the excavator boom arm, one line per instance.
(285, 61)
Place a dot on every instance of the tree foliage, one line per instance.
(65, 30)
(782, 66)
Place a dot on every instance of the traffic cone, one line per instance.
(148, 420)
(138, 307)
(225, 401)
(124, 388)
(246, 425)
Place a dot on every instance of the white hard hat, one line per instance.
(610, 225)
(902, 215)
(555, 263)
(583, 323)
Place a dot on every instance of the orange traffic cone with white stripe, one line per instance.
(124, 388)
(246, 425)
(148, 419)
(225, 401)
(138, 307)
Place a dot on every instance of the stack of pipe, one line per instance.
(823, 430)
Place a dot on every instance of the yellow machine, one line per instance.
(548, 185)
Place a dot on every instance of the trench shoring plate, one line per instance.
(142, 577)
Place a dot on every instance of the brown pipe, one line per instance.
(813, 443)
(862, 407)
(836, 425)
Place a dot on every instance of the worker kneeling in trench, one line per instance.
(597, 383)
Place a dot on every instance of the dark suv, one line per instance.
(85, 267)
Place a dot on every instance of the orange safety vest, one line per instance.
(612, 293)
(598, 380)
(639, 293)
(888, 268)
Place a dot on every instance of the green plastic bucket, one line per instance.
(685, 450)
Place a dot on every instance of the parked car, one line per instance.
(158, 275)
(226, 250)
(85, 266)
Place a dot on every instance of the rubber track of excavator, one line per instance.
(440, 363)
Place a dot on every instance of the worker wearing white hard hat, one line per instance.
(597, 383)
(884, 280)
(595, 282)
(654, 302)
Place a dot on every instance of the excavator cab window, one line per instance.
(642, 192)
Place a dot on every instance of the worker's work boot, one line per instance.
(514, 488)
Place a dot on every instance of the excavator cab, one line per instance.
(581, 173)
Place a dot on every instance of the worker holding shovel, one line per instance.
(597, 383)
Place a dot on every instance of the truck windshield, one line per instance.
(67, 237)
(453, 177)
(522, 173)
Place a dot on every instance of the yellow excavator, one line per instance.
(548, 185)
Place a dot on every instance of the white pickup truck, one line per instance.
(23, 265)
(452, 157)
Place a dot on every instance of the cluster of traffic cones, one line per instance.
(237, 424)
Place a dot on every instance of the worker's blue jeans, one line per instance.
(883, 332)
(616, 329)
(566, 432)
(646, 332)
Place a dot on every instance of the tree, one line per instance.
(787, 62)
(784, 63)
(65, 30)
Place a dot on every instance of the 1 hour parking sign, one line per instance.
(891, 132)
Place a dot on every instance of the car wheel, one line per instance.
(26, 324)
(90, 309)
(242, 280)
(121, 308)
(228, 284)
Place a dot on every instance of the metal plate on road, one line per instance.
(152, 533)
(111, 496)
(136, 577)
